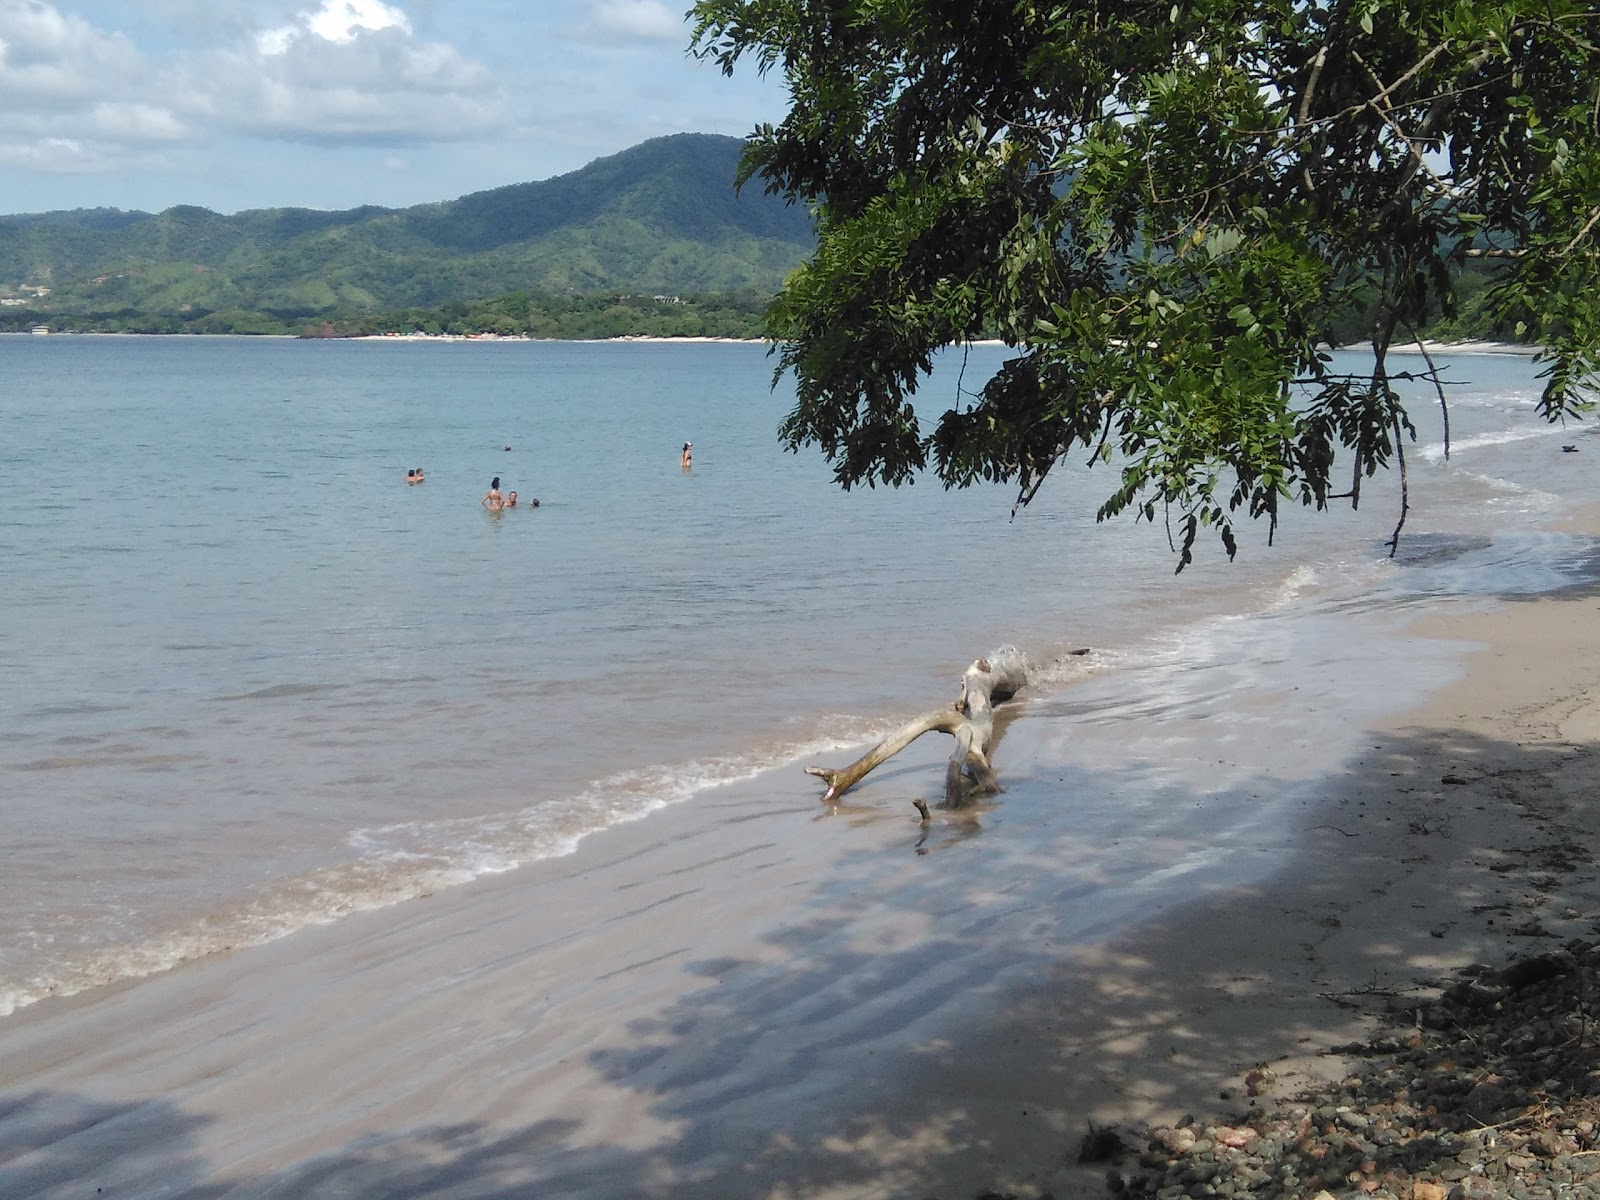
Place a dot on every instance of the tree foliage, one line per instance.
(1166, 209)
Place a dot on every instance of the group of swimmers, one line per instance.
(495, 502)
(492, 499)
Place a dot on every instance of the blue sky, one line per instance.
(235, 104)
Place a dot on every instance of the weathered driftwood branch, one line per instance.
(970, 720)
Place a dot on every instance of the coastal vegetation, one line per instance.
(518, 314)
(1169, 210)
(661, 219)
(653, 242)
(590, 316)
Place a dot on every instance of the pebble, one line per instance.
(1492, 1092)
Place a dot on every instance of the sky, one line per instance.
(331, 104)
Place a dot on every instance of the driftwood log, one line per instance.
(970, 720)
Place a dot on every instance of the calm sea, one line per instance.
(251, 681)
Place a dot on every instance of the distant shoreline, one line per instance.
(653, 339)
(1466, 346)
(1469, 346)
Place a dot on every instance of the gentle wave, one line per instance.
(1435, 452)
(364, 686)
(413, 859)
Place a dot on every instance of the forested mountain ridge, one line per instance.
(659, 217)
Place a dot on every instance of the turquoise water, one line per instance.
(253, 681)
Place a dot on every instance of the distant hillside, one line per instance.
(661, 217)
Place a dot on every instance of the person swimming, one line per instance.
(511, 500)
(688, 455)
(492, 499)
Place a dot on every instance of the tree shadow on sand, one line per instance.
(956, 1063)
(958, 1033)
(59, 1144)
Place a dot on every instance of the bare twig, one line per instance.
(1438, 385)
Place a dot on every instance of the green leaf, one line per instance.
(1167, 233)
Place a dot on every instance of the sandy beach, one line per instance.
(758, 995)
(1430, 347)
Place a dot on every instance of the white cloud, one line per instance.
(51, 60)
(359, 84)
(134, 122)
(48, 154)
(244, 103)
(349, 71)
(54, 155)
(335, 21)
(78, 97)
(647, 19)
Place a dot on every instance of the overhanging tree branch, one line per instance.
(1171, 208)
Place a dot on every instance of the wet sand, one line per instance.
(755, 995)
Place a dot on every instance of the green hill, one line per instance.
(661, 217)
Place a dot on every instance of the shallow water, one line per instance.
(254, 682)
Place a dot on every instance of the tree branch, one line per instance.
(970, 720)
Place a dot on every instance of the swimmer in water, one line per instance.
(492, 499)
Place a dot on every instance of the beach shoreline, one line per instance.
(758, 995)
(1468, 347)
(1464, 838)
(1472, 346)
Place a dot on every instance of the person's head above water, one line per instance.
(494, 484)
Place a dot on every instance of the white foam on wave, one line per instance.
(298, 904)
(1067, 669)
(1515, 496)
(1177, 662)
(1300, 580)
(408, 860)
(1434, 452)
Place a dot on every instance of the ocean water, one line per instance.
(251, 681)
